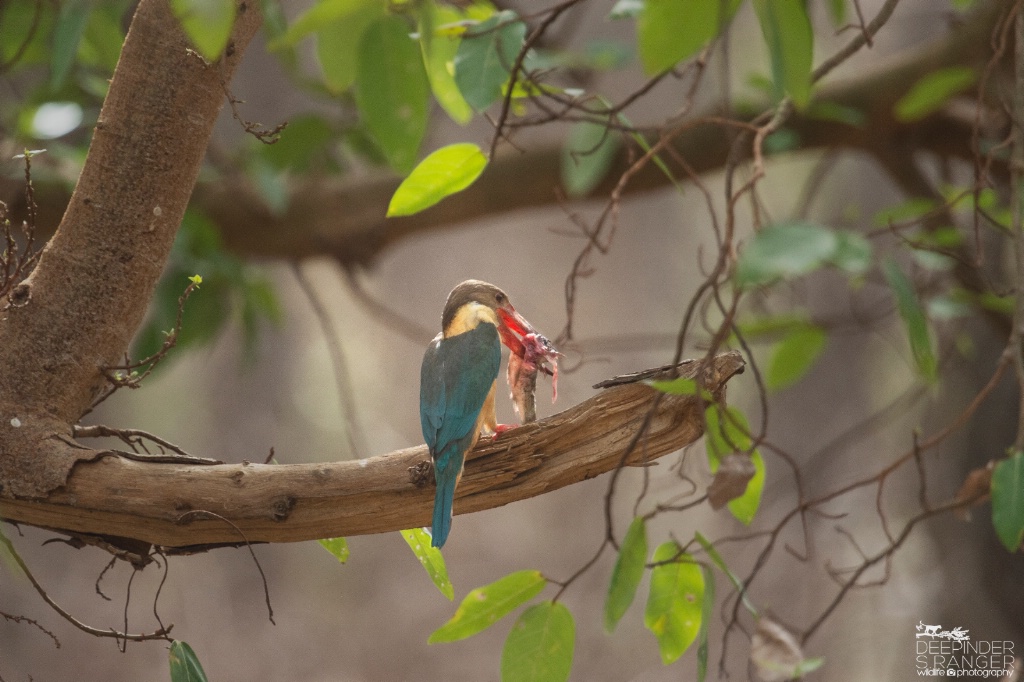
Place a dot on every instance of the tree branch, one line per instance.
(159, 503)
(94, 279)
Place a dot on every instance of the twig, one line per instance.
(187, 517)
(342, 378)
(161, 633)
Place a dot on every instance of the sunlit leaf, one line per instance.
(928, 95)
(207, 23)
(676, 601)
(338, 547)
(785, 250)
(486, 55)
(439, 58)
(337, 43)
(71, 22)
(485, 605)
(185, 666)
(914, 319)
(794, 355)
(787, 31)
(444, 172)
(669, 31)
(540, 646)
(431, 560)
(629, 569)
(392, 91)
(587, 156)
(1008, 500)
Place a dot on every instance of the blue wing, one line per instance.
(455, 378)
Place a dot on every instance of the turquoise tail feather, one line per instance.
(442, 521)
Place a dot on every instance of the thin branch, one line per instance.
(161, 633)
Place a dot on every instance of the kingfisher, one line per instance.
(458, 379)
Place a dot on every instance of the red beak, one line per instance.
(512, 328)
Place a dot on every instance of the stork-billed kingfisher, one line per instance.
(457, 384)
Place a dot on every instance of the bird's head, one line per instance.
(511, 325)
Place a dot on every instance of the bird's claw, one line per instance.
(502, 428)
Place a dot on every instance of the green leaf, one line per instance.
(338, 547)
(912, 312)
(486, 55)
(629, 569)
(33, 23)
(319, 17)
(907, 211)
(302, 144)
(785, 250)
(431, 559)
(392, 91)
(485, 605)
(337, 42)
(727, 433)
(853, 253)
(101, 42)
(207, 23)
(444, 172)
(71, 22)
(587, 156)
(928, 95)
(719, 562)
(669, 31)
(794, 355)
(787, 31)
(675, 603)
(439, 58)
(1008, 500)
(745, 507)
(832, 111)
(185, 666)
(540, 646)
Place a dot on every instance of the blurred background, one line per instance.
(257, 375)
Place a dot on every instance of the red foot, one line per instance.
(502, 428)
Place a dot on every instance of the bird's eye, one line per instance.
(500, 298)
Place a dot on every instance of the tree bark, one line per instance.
(176, 505)
(82, 304)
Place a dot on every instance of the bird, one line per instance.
(458, 379)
